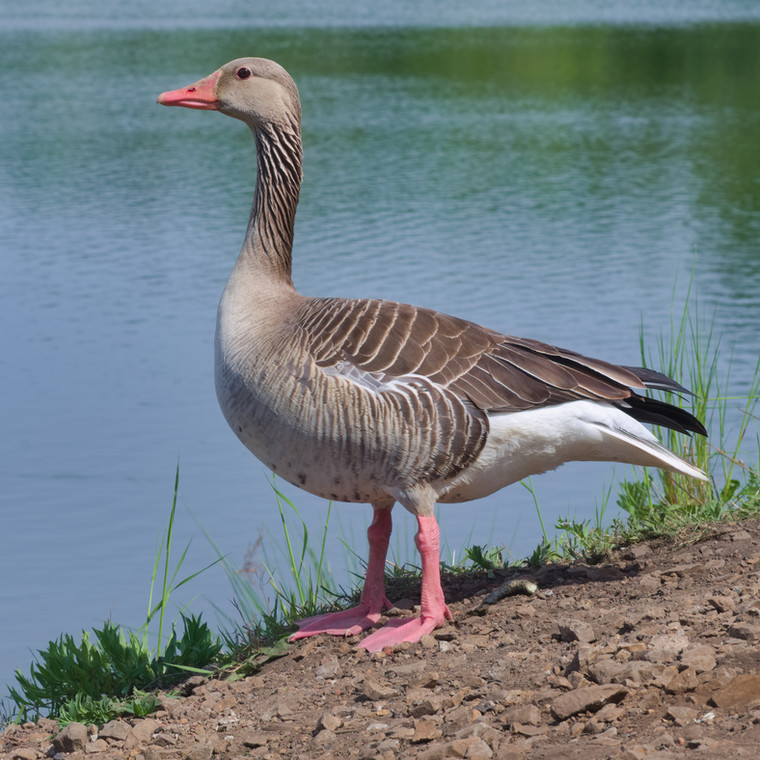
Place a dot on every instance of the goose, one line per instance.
(372, 401)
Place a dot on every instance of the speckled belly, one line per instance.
(290, 430)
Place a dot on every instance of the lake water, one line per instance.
(555, 174)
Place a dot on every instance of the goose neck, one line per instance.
(269, 239)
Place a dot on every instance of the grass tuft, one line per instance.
(107, 672)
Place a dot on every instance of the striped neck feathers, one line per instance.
(269, 239)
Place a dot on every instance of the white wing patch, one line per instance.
(379, 382)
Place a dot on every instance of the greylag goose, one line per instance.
(378, 402)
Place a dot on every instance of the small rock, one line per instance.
(609, 713)
(584, 656)
(478, 750)
(681, 716)
(200, 752)
(23, 753)
(194, 682)
(428, 642)
(589, 699)
(722, 603)
(694, 735)
(328, 721)
(700, 658)
(48, 725)
(605, 671)
(165, 739)
(524, 714)
(425, 730)
(665, 647)
(402, 732)
(325, 738)
(375, 691)
(629, 754)
(664, 676)
(118, 730)
(389, 745)
(636, 551)
(682, 682)
(649, 583)
(739, 692)
(255, 739)
(73, 738)
(284, 711)
(141, 732)
(427, 680)
(427, 707)
(99, 745)
(526, 730)
(329, 668)
(744, 631)
(576, 630)
(457, 719)
(578, 681)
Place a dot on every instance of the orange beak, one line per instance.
(199, 95)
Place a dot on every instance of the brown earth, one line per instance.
(653, 654)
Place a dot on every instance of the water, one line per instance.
(561, 182)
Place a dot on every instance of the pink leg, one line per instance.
(434, 610)
(373, 599)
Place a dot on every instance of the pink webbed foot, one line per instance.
(344, 623)
(434, 609)
(406, 629)
(373, 601)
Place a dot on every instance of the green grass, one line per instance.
(107, 672)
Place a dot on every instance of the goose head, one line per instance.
(255, 90)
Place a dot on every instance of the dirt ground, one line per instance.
(652, 654)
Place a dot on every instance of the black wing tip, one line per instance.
(656, 412)
(658, 381)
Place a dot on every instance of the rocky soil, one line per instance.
(653, 654)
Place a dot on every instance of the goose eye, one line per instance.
(243, 72)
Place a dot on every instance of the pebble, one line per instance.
(744, 631)
(329, 668)
(589, 699)
(375, 691)
(117, 730)
(328, 721)
(700, 658)
(523, 714)
(427, 707)
(680, 715)
(201, 752)
(425, 729)
(24, 754)
(741, 691)
(73, 738)
(253, 739)
(141, 733)
(576, 630)
(722, 603)
(682, 682)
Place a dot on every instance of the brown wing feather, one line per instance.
(492, 371)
